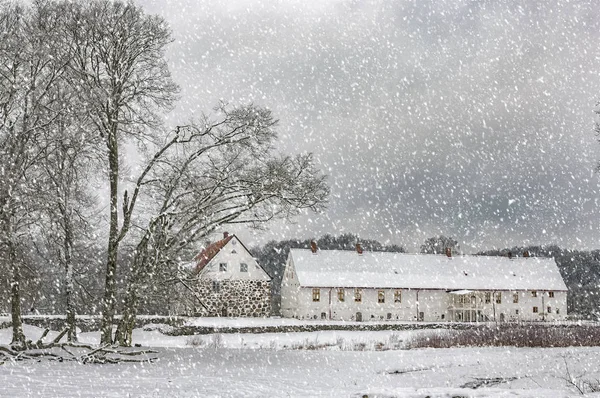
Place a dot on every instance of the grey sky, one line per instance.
(468, 118)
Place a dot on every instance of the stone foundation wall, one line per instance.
(246, 298)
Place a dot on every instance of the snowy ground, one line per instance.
(346, 364)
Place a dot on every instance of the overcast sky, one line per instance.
(472, 119)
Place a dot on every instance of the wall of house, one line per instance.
(233, 298)
(298, 302)
(425, 305)
(290, 288)
(548, 308)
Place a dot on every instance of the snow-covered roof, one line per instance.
(338, 268)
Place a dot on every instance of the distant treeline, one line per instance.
(579, 269)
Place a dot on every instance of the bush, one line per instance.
(515, 335)
(195, 341)
(161, 327)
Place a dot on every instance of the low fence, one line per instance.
(178, 326)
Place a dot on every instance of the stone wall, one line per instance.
(89, 323)
(246, 298)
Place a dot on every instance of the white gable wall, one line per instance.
(234, 254)
(290, 290)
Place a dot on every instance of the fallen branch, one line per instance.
(40, 340)
(60, 335)
(90, 355)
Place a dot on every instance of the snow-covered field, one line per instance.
(347, 364)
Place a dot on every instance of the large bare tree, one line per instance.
(124, 82)
(32, 60)
(215, 172)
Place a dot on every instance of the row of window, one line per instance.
(341, 295)
(498, 296)
(359, 316)
(536, 310)
(223, 267)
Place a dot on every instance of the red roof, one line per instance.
(210, 252)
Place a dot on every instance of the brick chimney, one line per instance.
(359, 249)
(225, 235)
(448, 252)
(526, 253)
(509, 255)
(313, 247)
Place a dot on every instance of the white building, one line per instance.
(357, 285)
(225, 280)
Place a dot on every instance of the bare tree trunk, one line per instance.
(69, 288)
(18, 337)
(123, 336)
(139, 269)
(110, 287)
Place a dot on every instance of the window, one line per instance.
(341, 295)
(357, 295)
(515, 298)
(533, 293)
(389, 315)
(517, 312)
(549, 310)
(558, 311)
(323, 315)
(535, 310)
(398, 296)
(223, 267)
(488, 297)
(551, 294)
(216, 286)
(243, 267)
(443, 316)
(381, 296)
(499, 298)
(316, 294)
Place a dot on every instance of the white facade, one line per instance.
(237, 262)
(342, 285)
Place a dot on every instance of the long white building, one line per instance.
(362, 286)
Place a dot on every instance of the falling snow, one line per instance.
(130, 145)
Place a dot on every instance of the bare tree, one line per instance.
(217, 172)
(31, 61)
(67, 202)
(124, 82)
